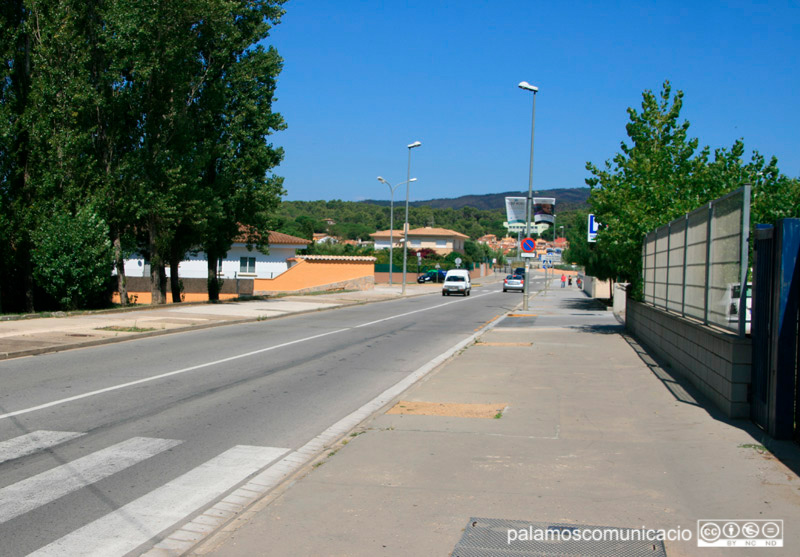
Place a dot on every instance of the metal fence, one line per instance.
(695, 265)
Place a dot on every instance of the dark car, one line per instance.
(432, 276)
(519, 271)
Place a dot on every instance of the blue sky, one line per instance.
(363, 79)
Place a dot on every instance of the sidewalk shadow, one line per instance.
(787, 452)
(599, 329)
(585, 304)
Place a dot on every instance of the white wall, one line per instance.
(596, 288)
(267, 266)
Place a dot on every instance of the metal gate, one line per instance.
(775, 394)
(761, 330)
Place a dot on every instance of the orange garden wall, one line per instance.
(321, 273)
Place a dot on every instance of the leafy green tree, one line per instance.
(649, 182)
(17, 189)
(73, 257)
(660, 175)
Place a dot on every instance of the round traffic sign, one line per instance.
(528, 245)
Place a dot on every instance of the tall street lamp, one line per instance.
(405, 227)
(528, 87)
(391, 222)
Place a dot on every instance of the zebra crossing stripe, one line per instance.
(33, 492)
(33, 442)
(125, 529)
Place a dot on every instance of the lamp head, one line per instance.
(413, 180)
(527, 86)
(380, 179)
(415, 144)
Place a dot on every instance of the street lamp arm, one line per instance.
(394, 188)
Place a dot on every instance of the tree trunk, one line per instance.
(119, 264)
(213, 281)
(158, 276)
(27, 282)
(174, 279)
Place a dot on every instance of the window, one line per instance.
(415, 243)
(247, 264)
(441, 243)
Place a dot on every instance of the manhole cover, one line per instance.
(492, 537)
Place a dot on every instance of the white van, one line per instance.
(456, 281)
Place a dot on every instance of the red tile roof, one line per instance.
(425, 231)
(273, 238)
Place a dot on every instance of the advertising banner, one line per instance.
(544, 209)
(515, 210)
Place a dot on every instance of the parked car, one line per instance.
(456, 282)
(432, 276)
(514, 282)
(519, 271)
(731, 301)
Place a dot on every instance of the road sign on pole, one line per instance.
(593, 226)
(528, 245)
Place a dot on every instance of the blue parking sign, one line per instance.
(592, 230)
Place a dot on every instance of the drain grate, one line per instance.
(492, 537)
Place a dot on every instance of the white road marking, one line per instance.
(33, 442)
(125, 529)
(224, 360)
(46, 487)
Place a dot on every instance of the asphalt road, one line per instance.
(156, 425)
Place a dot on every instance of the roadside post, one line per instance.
(528, 248)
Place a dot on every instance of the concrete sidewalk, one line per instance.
(579, 426)
(39, 335)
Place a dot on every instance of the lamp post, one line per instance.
(405, 227)
(528, 87)
(391, 222)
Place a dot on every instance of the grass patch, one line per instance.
(120, 329)
(498, 415)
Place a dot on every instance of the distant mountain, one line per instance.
(567, 199)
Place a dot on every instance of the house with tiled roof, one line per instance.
(440, 240)
(507, 244)
(243, 260)
(488, 239)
